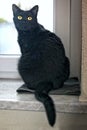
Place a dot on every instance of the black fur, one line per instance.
(43, 64)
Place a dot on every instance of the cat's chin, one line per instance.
(26, 28)
(23, 29)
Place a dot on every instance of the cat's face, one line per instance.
(25, 20)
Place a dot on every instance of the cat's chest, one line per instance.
(29, 41)
(25, 40)
(30, 45)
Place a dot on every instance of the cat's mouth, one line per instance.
(25, 28)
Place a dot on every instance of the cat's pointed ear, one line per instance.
(35, 9)
(15, 9)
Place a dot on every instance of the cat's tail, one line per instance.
(49, 106)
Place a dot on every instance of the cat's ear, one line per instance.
(35, 9)
(15, 9)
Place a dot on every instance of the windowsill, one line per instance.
(11, 100)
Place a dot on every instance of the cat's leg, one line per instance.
(58, 82)
(24, 88)
(45, 87)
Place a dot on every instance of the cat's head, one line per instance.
(25, 20)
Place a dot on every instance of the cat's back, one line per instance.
(51, 42)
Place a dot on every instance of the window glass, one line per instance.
(8, 33)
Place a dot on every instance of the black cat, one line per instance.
(43, 64)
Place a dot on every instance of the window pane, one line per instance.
(8, 34)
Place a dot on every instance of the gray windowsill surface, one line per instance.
(11, 100)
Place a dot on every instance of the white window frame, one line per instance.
(63, 27)
(8, 66)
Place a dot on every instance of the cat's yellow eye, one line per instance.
(29, 18)
(20, 17)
